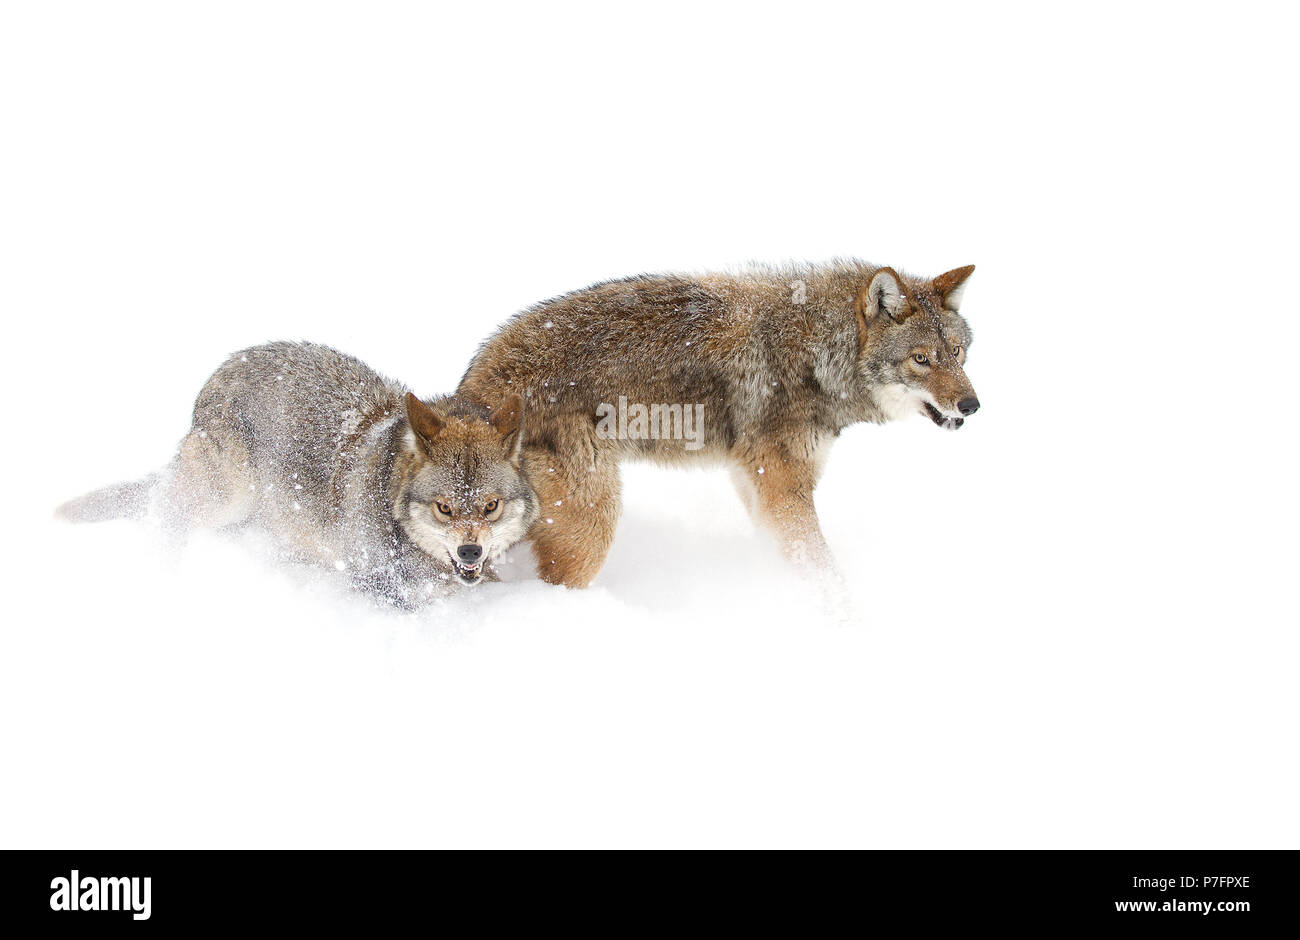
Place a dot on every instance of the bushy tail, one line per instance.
(128, 500)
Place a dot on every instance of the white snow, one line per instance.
(1072, 622)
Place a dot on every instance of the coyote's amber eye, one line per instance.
(956, 350)
(921, 359)
(491, 507)
(443, 508)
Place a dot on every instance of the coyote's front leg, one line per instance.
(577, 485)
(777, 487)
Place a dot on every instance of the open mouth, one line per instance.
(939, 418)
(468, 574)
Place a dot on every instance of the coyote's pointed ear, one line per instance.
(424, 421)
(508, 419)
(883, 296)
(949, 286)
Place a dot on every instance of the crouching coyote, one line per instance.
(781, 359)
(345, 468)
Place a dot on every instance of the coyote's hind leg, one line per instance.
(209, 484)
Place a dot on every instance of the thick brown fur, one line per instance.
(782, 358)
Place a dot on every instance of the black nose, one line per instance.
(470, 554)
(968, 406)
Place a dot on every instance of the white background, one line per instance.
(1075, 619)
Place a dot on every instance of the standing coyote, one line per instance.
(346, 468)
(781, 359)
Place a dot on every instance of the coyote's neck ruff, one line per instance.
(345, 468)
(780, 359)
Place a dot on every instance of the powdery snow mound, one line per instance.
(978, 693)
